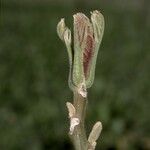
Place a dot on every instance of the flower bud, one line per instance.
(64, 34)
(96, 130)
(87, 38)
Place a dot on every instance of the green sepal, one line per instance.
(97, 20)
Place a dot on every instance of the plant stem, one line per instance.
(79, 136)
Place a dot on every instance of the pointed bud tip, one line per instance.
(61, 27)
(96, 15)
(80, 17)
(98, 124)
(96, 12)
(95, 133)
(79, 14)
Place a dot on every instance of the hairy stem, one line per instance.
(79, 136)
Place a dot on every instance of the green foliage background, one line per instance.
(34, 74)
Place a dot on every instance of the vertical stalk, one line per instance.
(79, 136)
(82, 52)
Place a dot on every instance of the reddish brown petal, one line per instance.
(80, 23)
(83, 34)
(88, 53)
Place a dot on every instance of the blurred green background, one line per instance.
(34, 74)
